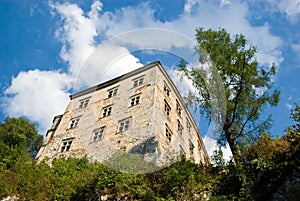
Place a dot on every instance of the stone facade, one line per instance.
(140, 113)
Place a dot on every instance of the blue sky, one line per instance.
(44, 46)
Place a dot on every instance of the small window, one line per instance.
(182, 152)
(66, 145)
(188, 125)
(167, 89)
(168, 134)
(98, 134)
(74, 122)
(167, 108)
(124, 125)
(138, 81)
(135, 100)
(106, 111)
(191, 146)
(199, 145)
(178, 108)
(84, 103)
(180, 127)
(112, 92)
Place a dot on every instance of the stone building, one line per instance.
(140, 112)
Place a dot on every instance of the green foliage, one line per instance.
(217, 158)
(78, 179)
(267, 163)
(18, 138)
(246, 84)
(266, 153)
(130, 163)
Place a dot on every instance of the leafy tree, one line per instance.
(293, 137)
(218, 158)
(18, 137)
(247, 86)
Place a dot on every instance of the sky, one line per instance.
(51, 49)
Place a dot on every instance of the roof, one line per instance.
(116, 80)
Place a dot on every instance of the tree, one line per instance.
(293, 137)
(18, 137)
(246, 86)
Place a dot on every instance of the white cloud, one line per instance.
(296, 49)
(106, 62)
(82, 33)
(233, 16)
(38, 96)
(79, 30)
(77, 33)
(290, 7)
(182, 83)
(211, 145)
(189, 4)
(89, 62)
(289, 106)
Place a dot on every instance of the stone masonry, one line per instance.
(140, 112)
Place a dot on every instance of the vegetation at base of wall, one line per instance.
(266, 164)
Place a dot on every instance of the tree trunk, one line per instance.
(234, 149)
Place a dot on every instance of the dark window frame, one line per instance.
(124, 125)
(167, 108)
(106, 111)
(138, 81)
(134, 100)
(112, 92)
(98, 134)
(66, 145)
(74, 122)
(168, 133)
(84, 102)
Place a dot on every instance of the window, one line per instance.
(84, 102)
(135, 100)
(124, 125)
(112, 92)
(191, 146)
(167, 89)
(182, 152)
(66, 145)
(167, 108)
(74, 122)
(188, 125)
(180, 127)
(199, 145)
(138, 81)
(178, 108)
(168, 134)
(106, 111)
(98, 134)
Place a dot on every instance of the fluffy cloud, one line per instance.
(89, 62)
(290, 7)
(211, 146)
(98, 45)
(296, 49)
(105, 63)
(79, 30)
(38, 96)
(76, 33)
(233, 16)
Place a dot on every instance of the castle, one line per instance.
(140, 112)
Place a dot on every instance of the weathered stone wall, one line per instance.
(192, 135)
(147, 122)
